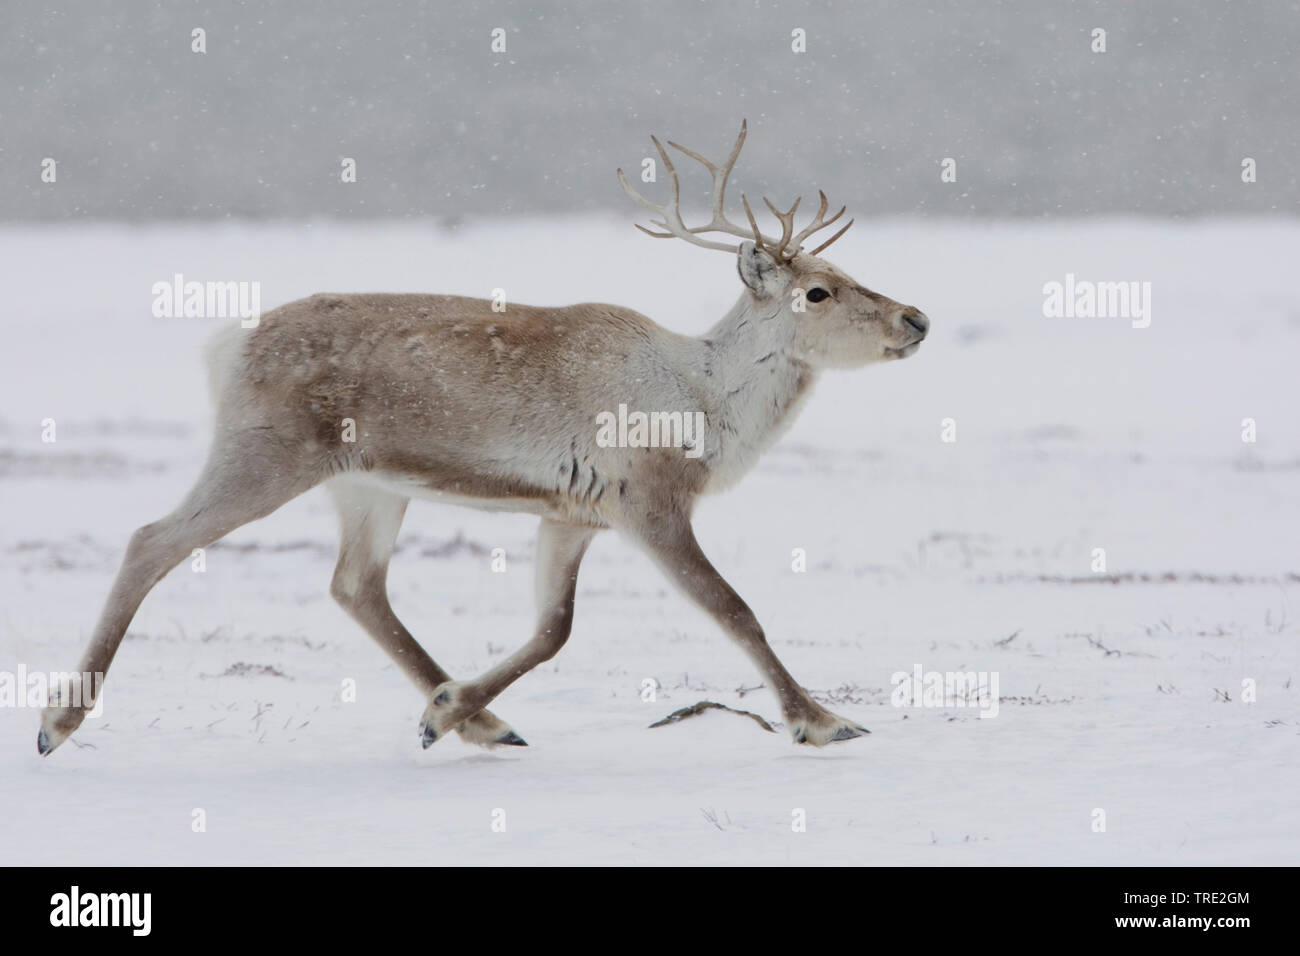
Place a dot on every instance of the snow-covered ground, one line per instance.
(973, 555)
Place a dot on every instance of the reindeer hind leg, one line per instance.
(249, 474)
(369, 519)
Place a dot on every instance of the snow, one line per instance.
(1072, 434)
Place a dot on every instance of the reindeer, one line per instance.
(454, 402)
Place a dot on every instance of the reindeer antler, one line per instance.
(821, 223)
(671, 218)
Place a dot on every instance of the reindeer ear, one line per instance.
(758, 270)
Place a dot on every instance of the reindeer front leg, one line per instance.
(671, 543)
(560, 548)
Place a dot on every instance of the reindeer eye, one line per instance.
(816, 295)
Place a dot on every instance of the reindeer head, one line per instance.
(830, 320)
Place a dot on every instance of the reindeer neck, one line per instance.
(756, 386)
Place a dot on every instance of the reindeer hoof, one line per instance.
(57, 725)
(428, 736)
(848, 733)
(826, 730)
(512, 739)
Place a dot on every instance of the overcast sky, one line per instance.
(1039, 124)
